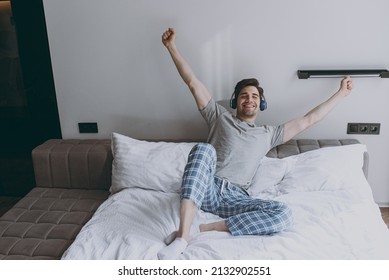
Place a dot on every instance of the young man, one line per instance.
(218, 174)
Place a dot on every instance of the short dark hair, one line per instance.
(247, 82)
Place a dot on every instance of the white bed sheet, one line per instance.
(334, 218)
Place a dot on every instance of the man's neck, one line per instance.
(250, 120)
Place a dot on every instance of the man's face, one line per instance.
(248, 103)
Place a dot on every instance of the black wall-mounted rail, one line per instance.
(305, 74)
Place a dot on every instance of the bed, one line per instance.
(324, 183)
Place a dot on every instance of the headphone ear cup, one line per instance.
(263, 104)
(233, 102)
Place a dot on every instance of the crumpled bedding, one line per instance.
(335, 217)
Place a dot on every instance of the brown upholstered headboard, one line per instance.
(87, 164)
(74, 164)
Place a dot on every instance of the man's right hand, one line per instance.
(168, 37)
(199, 91)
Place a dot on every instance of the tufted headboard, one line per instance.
(87, 164)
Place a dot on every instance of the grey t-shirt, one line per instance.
(239, 145)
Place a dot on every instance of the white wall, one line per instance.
(110, 66)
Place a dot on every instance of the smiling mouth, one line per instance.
(248, 105)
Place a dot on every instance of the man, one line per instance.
(218, 174)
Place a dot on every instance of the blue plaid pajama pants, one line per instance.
(244, 215)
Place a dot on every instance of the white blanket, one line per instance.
(335, 217)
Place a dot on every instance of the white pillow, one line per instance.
(149, 165)
(269, 174)
(327, 169)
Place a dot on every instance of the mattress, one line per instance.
(335, 216)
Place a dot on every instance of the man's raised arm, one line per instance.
(294, 127)
(199, 91)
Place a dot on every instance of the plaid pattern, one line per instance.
(244, 215)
